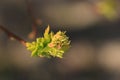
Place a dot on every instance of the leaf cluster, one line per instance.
(50, 45)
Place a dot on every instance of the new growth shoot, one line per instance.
(50, 45)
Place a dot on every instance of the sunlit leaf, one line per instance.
(51, 45)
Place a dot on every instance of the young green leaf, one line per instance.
(51, 45)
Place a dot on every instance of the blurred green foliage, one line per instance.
(108, 8)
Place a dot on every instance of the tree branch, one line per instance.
(34, 32)
(10, 34)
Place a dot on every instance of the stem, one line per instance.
(34, 24)
(10, 34)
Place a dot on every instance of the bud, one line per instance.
(51, 45)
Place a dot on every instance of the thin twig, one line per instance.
(10, 34)
(34, 24)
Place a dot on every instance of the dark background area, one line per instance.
(95, 41)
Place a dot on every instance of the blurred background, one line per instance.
(92, 25)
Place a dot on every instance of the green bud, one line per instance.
(51, 45)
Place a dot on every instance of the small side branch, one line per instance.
(34, 32)
(10, 34)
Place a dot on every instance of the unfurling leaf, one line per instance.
(51, 45)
